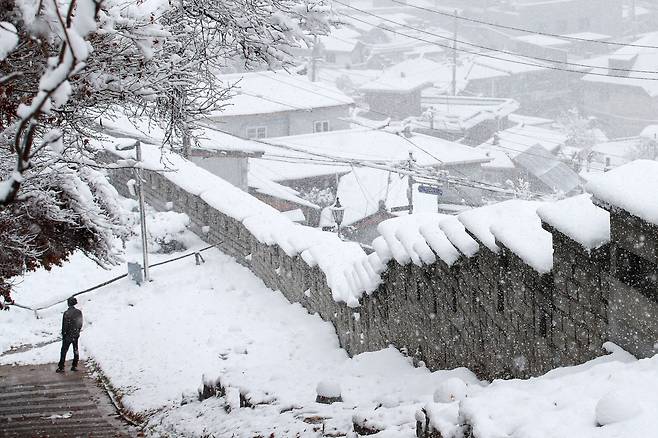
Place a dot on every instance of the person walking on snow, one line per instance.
(71, 326)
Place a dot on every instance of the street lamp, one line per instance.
(338, 212)
(137, 145)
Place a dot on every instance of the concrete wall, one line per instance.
(398, 105)
(286, 123)
(491, 313)
(231, 169)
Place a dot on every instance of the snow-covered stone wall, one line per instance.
(448, 292)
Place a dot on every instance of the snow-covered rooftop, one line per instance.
(638, 58)
(277, 91)
(284, 169)
(543, 40)
(578, 218)
(378, 145)
(457, 113)
(521, 119)
(619, 151)
(631, 187)
(341, 39)
(591, 36)
(520, 138)
(650, 132)
(210, 139)
(407, 76)
(507, 64)
(261, 184)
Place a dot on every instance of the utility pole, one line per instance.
(634, 17)
(454, 56)
(137, 145)
(142, 211)
(410, 188)
(314, 60)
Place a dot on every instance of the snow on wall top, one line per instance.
(513, 223)
(579, 219)
(414, 238)
(347, 268)
(456, 233)
(480, 220)
(521, 232)
(631, 187)
(271, 92)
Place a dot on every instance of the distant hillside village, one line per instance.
(431, 106)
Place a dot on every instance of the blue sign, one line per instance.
(430, 190)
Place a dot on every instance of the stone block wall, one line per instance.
(491, 313)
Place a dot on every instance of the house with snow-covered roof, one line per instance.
(338, 48)
(276, 103)
(533, 84)
(397, 92)
(528, 155)
(375, 145)
(624, 101)
(472, 120)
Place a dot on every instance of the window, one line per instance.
(330, 57)
(321, 126)
(584, 23)
(257, 132)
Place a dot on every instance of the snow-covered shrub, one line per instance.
(167, 232)
(616, 406)
(451, 390)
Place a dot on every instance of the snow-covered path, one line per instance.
(156, 343)
(218, 320)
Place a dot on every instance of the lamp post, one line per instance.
(137, 145)
(338, 212)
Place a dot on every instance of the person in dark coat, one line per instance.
(71, 326)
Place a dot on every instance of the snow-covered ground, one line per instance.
(157, 343)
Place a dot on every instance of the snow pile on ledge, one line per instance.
(343, 263)
(579, 219)
(456, 233)
(632, 187)
(414, 238)
(521, 232)
(480, 220)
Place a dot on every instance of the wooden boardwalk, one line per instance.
(37, 402)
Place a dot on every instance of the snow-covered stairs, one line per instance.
(37, 402)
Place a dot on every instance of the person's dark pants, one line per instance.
(66, 343)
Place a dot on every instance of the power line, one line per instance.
(486, 55)
(427, 173)
(491, 49)
(377, 162)
(519, 29)
(326, 162)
